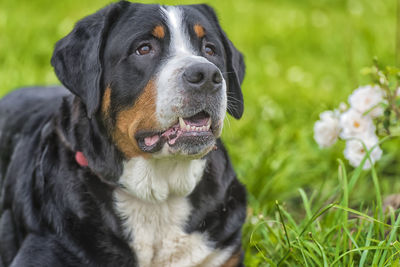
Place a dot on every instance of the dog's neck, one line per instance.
(155, 180)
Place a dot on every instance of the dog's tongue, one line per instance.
(151, 140)
(171, 134)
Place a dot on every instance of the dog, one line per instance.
(123, 165)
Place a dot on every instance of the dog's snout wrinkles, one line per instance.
(202, 76)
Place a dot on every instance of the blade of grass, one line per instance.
(291, 221)
(307, 206)
(252, 242)
(306, 252)
(313, 250)
(362, 215)
(338, 246)
(300, 247)
(315, 216)
(286, 234)
(343, 180)
(391, 238)
(378, 253)
(367, 242)
(322, 252)
(327, 233)
(359, 249)
(396, 245)
(345, 202)
(350, 237)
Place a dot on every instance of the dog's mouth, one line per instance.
(194, 131)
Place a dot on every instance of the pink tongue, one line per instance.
(174, 132)
(173, 140)
(151, 140)
(169, 132)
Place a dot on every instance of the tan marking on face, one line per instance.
(141, 116)
(105, 105)
(199, 30)
(158, 32)
(234, 260)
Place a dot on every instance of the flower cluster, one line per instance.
(355, 125)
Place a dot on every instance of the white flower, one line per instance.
(365, 98)
(355, 124)
(326, 130)
(342, 107)
(355, 151)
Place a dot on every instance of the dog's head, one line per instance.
(160, 78)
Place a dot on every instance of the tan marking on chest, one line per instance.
(234, 260)
(105, 105)
(141, 116)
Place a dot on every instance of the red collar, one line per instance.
(81, 159)
(83, 162)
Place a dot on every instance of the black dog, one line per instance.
(127, 170)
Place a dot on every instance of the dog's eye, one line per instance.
(209, 49)
(143, 49)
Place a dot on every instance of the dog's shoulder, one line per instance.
(219, 200)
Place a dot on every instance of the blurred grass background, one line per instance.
(302, 57)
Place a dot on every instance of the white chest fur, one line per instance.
(155, 221)
(155, 180)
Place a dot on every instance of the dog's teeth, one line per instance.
(188, 128)
(182, 123)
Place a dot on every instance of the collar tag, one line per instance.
(81, 159)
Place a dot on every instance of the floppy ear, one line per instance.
(235, 68)
(77, 58)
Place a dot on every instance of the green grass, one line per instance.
(302, 57)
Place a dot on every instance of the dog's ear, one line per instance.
(77, 58)
(235, 67)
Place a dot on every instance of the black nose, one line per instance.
(202, 76)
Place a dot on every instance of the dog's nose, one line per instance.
(202, 76)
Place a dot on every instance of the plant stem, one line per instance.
(398, 34)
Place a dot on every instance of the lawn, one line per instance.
(306, 207)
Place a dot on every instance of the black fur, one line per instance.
(235, 66)
(77, 58)
(54, 212)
